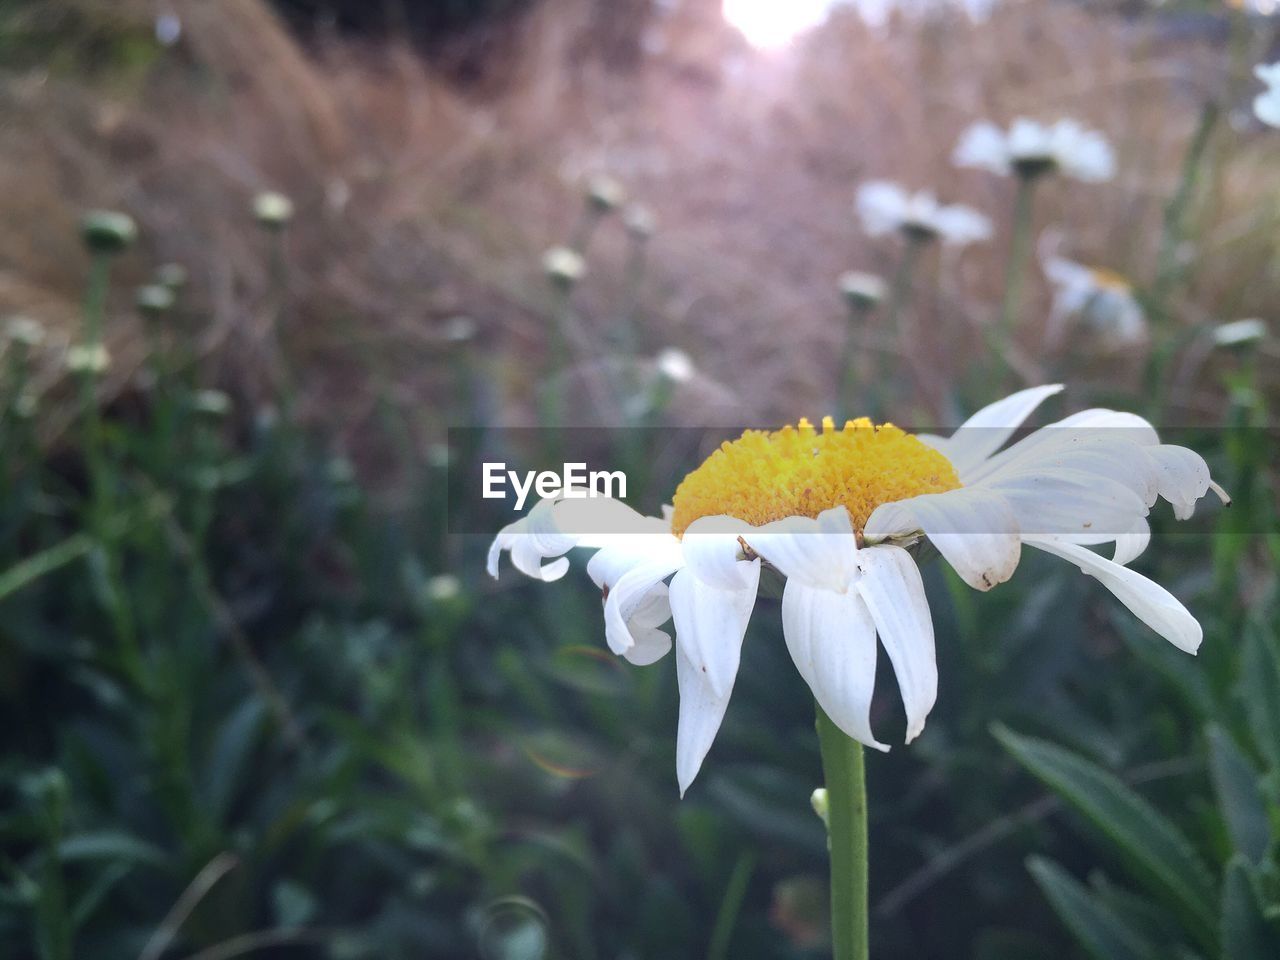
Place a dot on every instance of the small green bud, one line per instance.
(106, 231)
(564, 267)
(154, 300)
(273, 210)
(821, 805)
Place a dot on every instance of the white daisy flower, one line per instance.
(886, 207)
(1101, 298)
(564, 267)
(1266, 105)
(1030, 149)
(1239, 332)
(835, 511)
(863, 290)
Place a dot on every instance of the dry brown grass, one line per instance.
(417, 201)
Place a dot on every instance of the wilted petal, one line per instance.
(701, 712)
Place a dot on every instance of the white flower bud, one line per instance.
(88, 358)
(605, 194)
(563, 266)
(106, 231)
(272, 210)
(25, 330)
(863, 290)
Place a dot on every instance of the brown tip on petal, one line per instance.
(1222, 494)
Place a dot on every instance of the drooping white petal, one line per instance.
(701, 712)
(891, 587)
(1129, 546)
(626, 596)
(711, 621)
(832, 640)
(959, 225)
(1183, 477)
(1151, 603)
(974, 529)
(987, 430)
(651, 644)
(819, 552)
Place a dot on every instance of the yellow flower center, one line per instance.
(797, 471)
(1106, 279)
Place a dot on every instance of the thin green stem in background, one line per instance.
(845, 776)
(1019, 256)
(900, 288)
(731, 906)
(1168, 270)
(853, 366)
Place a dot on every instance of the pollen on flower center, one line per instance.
(798, 471)
(1106, 279)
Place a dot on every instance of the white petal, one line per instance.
(1129, 546)
(987, 430)
(711, 549)
(894, 593)
(832, 640)
(882, 207)
(1183, 477)
(984, 147)
(820, 552)
(651, 644)
(1151, 603)
(627, 595)
(974, 529)
(701, 711)
(1069, 502)
(711, 622)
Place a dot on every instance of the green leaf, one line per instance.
(1156, 850)
(1099, 930)
(45, 562)
(1236, 783)
(1259, 689)
(1246, 935)
(110, 845)
(231, 751)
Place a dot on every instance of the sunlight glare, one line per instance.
(774, 23)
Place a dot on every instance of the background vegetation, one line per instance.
(255, 698)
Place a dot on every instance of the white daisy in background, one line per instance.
(1238, 333)
(1266, 105)
(834, 511)
(862, 290)
(1101, 299)
(886, 207)
(1029, 149)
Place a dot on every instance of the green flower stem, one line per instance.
(900, 288)
(853, 366)
(845, 776)
(1019, 254)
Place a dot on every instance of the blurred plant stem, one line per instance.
(1015, 274)
(1168, 269)
(854, 371)
(101, 507)
(900, 288)
(553, 389)
(845, 776)
(278, 294)
(731, 906)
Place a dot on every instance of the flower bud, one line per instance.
(443, 587)
(1239, 333)
(172, 275)
(88, 358)
(604, 194)
(25, 330)
(273, 210)
(861, 290)
(821, 804)
(106, 231)
(564, 267)
(459, 329)
(675, 365)
(639, 222)
(211, 403)
(154, 300)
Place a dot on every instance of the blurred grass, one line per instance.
(300, 739)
